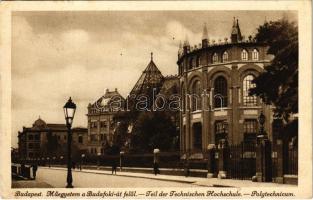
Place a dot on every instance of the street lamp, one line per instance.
(121, 158)
(69, 112)
(99, 154)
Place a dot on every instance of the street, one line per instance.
(57, 178)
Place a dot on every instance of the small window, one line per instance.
(80, 139)
(103, 124)
(30, 137)
(255, 54)
(93, 124)
(225, 57)
(215, 58)
(64, 137)
(244, 55)
(37, 137)
(30, 146)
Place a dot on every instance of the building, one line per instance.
(214, 82)
(47, 140)
(100, 120)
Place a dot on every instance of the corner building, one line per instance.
(221, 73)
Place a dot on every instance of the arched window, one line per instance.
(255, 54)
(244, 55)
(225, 56)
(198, 61)
(215, 58)
(196, 96)
(248, 100)
(190, 63)
(220, 92)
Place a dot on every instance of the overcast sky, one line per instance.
(79, 54)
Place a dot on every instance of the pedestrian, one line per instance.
(187, 170)
(73, 165)
(156, 168)
(34, 167)
(114, 166)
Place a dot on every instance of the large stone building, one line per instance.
(48, 140)
(100, 120)
(214, 80)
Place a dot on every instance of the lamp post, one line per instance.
(69, 112)
(48, 159)
(98, 155)
(121, 158)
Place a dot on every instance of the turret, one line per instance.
(235, 33)
(205, 37)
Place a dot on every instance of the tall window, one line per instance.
(215, 58)
(225, 56)
(221, 130)
(244, 55)
(250, 129)
(183, 98)
(80, 139)
(248, 100)
(255, 54)
(103, 124)
(190, 63)
(196, 96)
(220, 92)
(198, 61)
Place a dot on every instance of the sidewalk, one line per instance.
(29, 184)
(208, 182)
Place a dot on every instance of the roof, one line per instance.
(150, 77)
(104, 102)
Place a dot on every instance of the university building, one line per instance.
(44, 140)
(220, 73)
(100, 120)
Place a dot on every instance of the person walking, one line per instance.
(155, 168)
(34, 167)
(114, 166)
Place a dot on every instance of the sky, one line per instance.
(56, 55)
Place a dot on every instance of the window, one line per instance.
(101, 137)
(198, 61)
(244, 55)
(215, 58)
(255, 54)
(93, 137)
(190, 63)
(93, 125)
(250, 129)
(248, 100)
(30, 146)
(225, 57)
(196, 96)
(30, 137)
(183, 98)
(80, 139)
(64, 137)
(221, 130)
(220, 92)
(37, 137)
(103, 124)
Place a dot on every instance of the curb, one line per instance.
(133, 176)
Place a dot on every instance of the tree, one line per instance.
(278, 84)
(153, 130)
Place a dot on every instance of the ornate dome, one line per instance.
(39, 123)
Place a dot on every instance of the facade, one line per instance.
(100, 120)
(214, 82)
(46, 140)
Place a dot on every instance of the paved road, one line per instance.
(57, 178)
